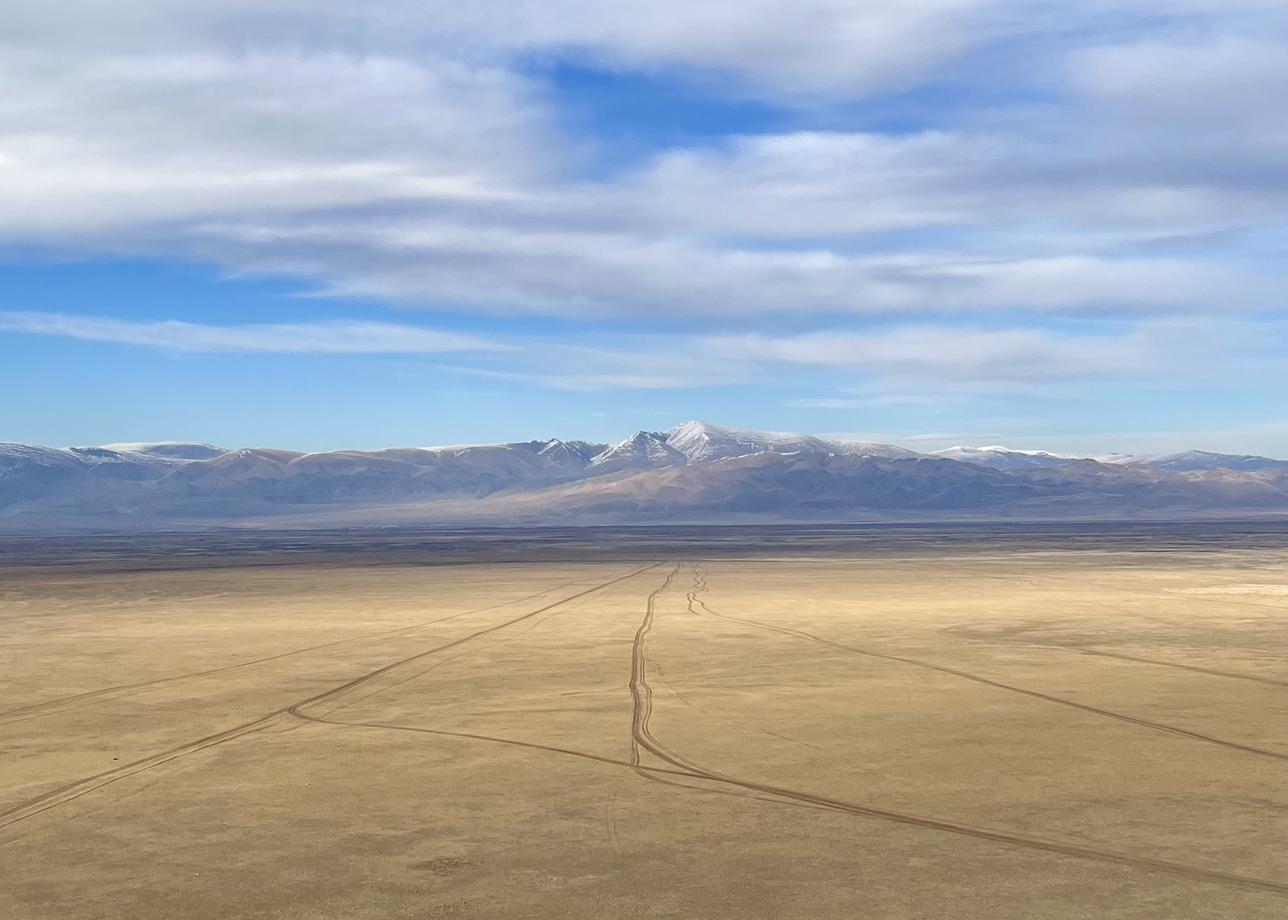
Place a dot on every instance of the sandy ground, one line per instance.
(976, 733)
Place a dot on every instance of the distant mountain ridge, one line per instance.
(1191, 460)
(1004, 458)
(694, 471)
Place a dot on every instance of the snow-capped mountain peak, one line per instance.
(874, 450)
(692, 472)
(642, 450)
(998, 457)
(178, 451)
(703, 441)
(573, 454)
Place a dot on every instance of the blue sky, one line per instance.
(957, 221)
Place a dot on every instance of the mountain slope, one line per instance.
(1195, 460)
(704, 441)
(176, 451)
(642, 450)
(696, 471)
(1004, 458)
(802, 487)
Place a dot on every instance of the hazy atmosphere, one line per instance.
(319, 226)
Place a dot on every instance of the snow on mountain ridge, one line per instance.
(177, 451)
(1001, 449)
(703, 441)
(642, 450)
(1191, 461)
(492, 466)
(998, 457)
(13, 456)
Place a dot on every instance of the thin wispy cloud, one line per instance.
(338, 337)
(860, 402)
(969, 358)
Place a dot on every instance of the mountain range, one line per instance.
(694, 472)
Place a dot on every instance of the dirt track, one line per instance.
(971, 738)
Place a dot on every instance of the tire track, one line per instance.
(662, 775)
(1002, 640)
(779, 795)
(1163, 727)
(330, 695)
(643, 739)
(1197, 669)
(641, 692)
(385, 688)
(121, 690)
(71, 791)
(964, 629)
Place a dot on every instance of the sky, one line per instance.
(324, 225)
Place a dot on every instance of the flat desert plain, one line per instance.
(717, 725)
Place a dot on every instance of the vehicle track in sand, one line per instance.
(120, 691)
(1158, 662)
(684, 773)
(641, 692)
(71, 791)
(643, 739)
(777, 795)
(1163, 727)
(642, 699)
(362, 680)
(679, 769)
(1015, 637)
(438, 663)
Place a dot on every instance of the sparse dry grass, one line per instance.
(919, 734)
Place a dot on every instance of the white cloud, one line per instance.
(915, 365)
(575, 272)
(944, 352)
(1225, 79)
(145, 144)
(280, 338)
(407, 152)
(813, 46)
(1265, 439)
(858, 398)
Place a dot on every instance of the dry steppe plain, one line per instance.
(889, 723)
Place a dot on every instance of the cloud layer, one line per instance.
(1121, 165)
(335, 338)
